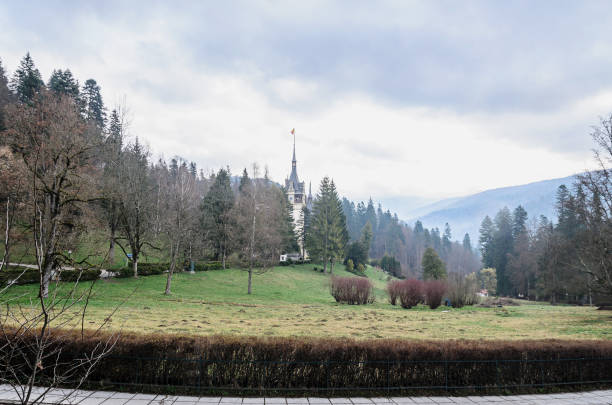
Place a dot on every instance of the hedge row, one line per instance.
(149, 269)
(174, 363)
(17, 275)
(208, 266)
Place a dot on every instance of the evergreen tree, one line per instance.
(433, 267)
(486, 241)
(467, 243)
(63, 83)
(370, 215)
(27, 81)
(503, 243)
(339, 234)
(111, 177)
(446, 241)
(93, 106)
(366, 238)
(216, 218)
(327, 229)
(286, 225)
(519, 221)
(5, 96)
(245, 182)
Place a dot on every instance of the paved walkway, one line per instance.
(8, 396)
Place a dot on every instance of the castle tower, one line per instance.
(296, 193)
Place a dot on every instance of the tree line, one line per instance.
(399, 247)
(569, 260)
(71, 175)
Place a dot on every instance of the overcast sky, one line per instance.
(429, 99)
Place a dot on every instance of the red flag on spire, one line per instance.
(293, 131)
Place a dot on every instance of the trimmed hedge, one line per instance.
(13, 274)
(30, 276)
(208, 266)
(205, 364)
(147, 269)
(85, 275)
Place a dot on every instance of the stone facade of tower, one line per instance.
(296, 193)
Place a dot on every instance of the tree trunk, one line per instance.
(135, 265)
(45, 278)
(111, 249)
(169, 279)
(250, 280)
(172, 266)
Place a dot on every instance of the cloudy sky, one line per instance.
(399, 98)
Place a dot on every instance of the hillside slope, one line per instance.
(465, 214)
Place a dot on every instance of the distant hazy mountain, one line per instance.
(464, 214)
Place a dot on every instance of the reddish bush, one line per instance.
(434, 292)
(352, 290)
(393, 288)
(410, 293)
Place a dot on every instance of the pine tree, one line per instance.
(328, 236)
(467, 243)
(216, 219)
(93, 106)
(5, 96)
(433, 267)
(111, 177)
(63, 83)
(245, 182)
(366, 238)
(503, 243)
(519, 221)
(486, 241)
(446, 241)
(27, 81)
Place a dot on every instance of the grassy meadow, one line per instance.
(295, 301)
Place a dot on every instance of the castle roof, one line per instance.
(294, 180)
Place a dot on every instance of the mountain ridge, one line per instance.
(464, 214)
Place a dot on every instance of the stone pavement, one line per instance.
(81, 397)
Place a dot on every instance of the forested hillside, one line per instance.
(406, 243)
(465, 213)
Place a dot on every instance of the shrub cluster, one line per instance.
(462, 290)
(393, 288)
(189, 364)
(352, 290)
(410, 293)
(434, 292)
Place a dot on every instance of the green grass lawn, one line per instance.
(295, 301)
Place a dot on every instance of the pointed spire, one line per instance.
(293, 160)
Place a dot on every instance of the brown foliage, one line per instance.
(352, 290)
(190, 363)
(434, 292)
(393, 288)
(410, 293)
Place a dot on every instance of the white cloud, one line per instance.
(216, 115)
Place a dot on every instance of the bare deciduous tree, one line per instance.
(56, 148)
(135, 202)
(594, 201)
(181, 203)
(259, 224)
